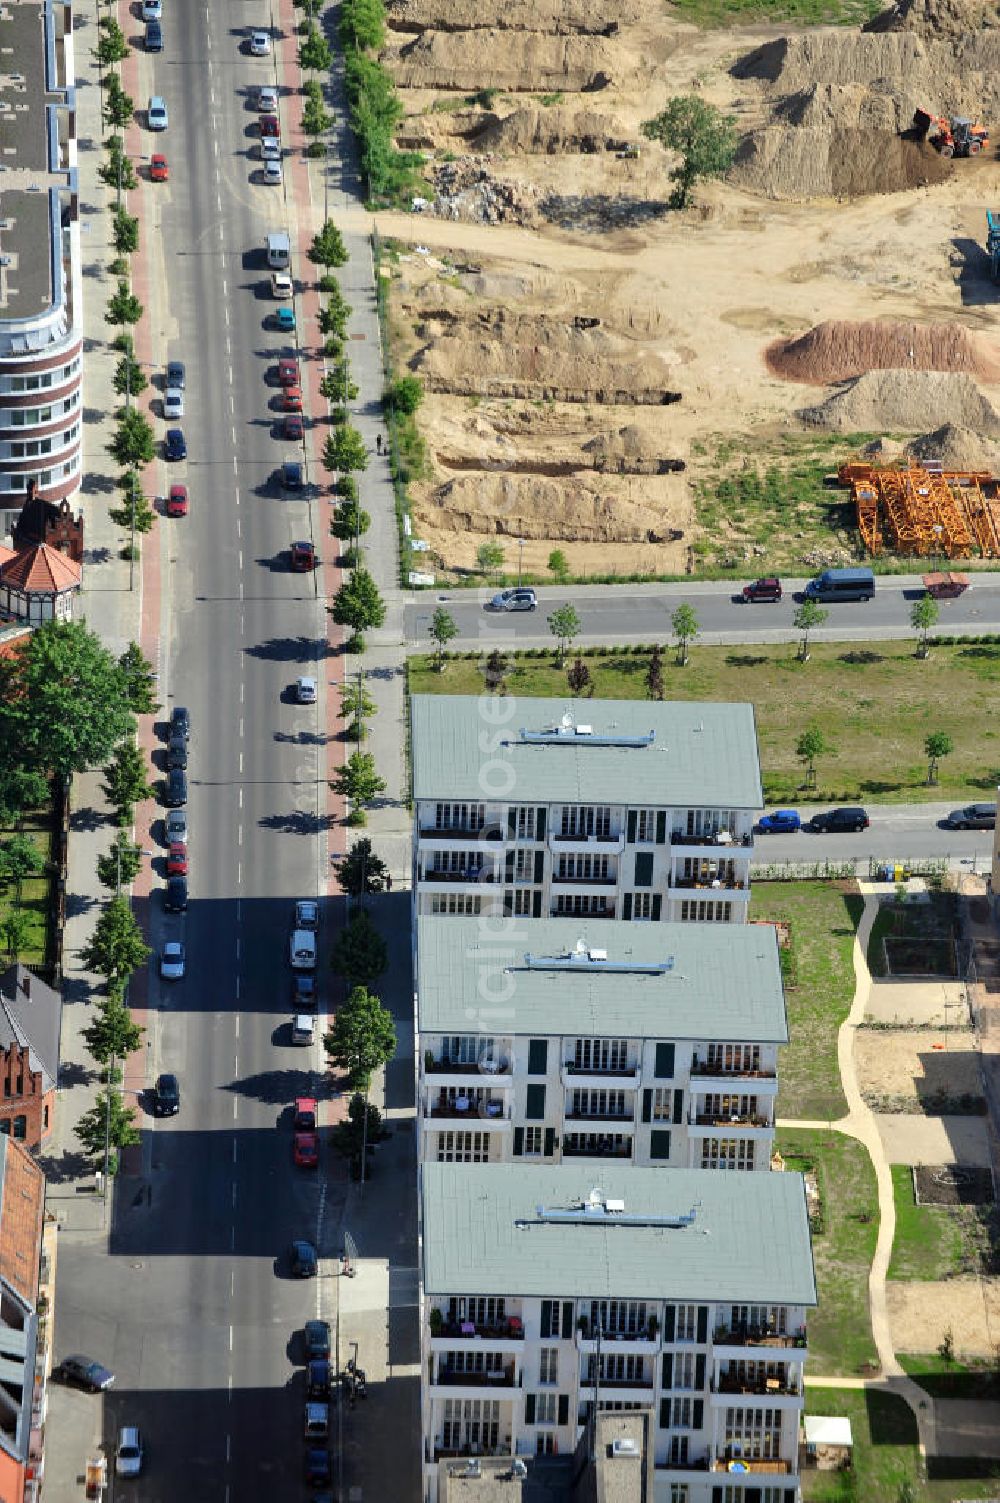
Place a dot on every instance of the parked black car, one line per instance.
(175, 789)
(166, 1096)
(836, 821)
(317, 1334)
(973, 817)
(180, 722)
(319, 1379)
(84, 1372)
(177, 752)
(175, 895)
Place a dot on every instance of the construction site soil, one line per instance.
(591, 357)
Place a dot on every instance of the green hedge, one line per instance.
(375, 107)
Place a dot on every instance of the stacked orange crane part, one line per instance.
(922, 512)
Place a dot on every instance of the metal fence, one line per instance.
(868, 868)
(400, 492)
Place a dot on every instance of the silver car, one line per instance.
(269, 150)
(173, 402)
(305, 691)
(267, 99)
(271, 172)
(128, 1459)
(177, 825)
(513, 600)
(172, 961)
(156, 113)
(260, 43)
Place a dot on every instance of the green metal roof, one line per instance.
(748, 1241)
(725, 981)
(470, 747)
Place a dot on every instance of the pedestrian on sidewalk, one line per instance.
(378, 443)
(388, 881)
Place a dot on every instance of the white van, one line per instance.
(279, 250)
(302, 950)
(303, 1029)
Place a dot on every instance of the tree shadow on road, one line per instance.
(279, 1087)
(78, 903)
(289, 650)
(59, 1169)
(297, 822)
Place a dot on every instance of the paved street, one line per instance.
(641, 613)
(898, 832)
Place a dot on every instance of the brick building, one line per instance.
(22, 1390)
(30, 1017)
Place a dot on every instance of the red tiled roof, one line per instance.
(40, 568)
(6, 554)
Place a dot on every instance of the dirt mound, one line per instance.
(836, 351)
(851, 105)
(528, 60)
(495, 354)
(936, 18)
(904, 401)
(957, 448)
(586, 509)
(567, 17)
(548, 131)
(798, 162)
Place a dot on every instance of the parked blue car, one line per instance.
(780, 822)
(175, 446)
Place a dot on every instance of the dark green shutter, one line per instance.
(539, 866)
(567, 1320)
(659, 1144)
(508, 905)
(667, 1373)
(647, 1106)
(702, 1324)
(661, 826)
(538, 1056)
(678, 1107)
(643, 868)
(509, 866)
(529, 1408)
(669, 1315)
(657, 906)
(511, 823)
(665, 1415)
(716, 1495)
(699, 1370)
(540, 825)
(536, 905)
(563, 1418)
(518, 1142)
(697, 1414)
(545, 1319)
(664, 1067)
(550, 1142)
(535, 1103)
(630, 826)
(627, 906)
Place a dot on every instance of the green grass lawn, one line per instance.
(931, 1242)
(840, 1338)
(875, 706)
(798, 12)
(886, 1456)
(35, 891)
(944, 1378)
(819, 987)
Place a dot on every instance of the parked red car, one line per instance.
(288, 371)
(762, 589)
(177, 501)
(291, 399)
(305, 1150)
(159, 172)
(177, 859)
(269, 126)
(303, 557)
(294, 427)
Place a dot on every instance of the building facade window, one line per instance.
(545, 1408)
(532, 1142)
(525, 824)
(463, 1147)
(518, 902)
(702, 912)
(642, 905)
(753, 1433)
(618, 1317)
(470, 1422)
(600, 1104)
(524, 866)
(663, 1106)
(20, 1127)
(456, 902)
(548, 1365)
(734, 1059)
(685, 1322)
(727, 1153)
(463, 817)
(601, 1054)
(579, 904)
(578, 821)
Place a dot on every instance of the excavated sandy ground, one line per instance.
(914, 1065)
(922, 1314)
(687, 303)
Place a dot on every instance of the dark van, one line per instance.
(154, 36)
(841, 584)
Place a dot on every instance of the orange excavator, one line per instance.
(952, 138)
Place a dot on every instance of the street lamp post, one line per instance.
(520, 560)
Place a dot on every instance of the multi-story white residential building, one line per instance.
(641, 811)
(41, 321)
(675, 1291)
(659, 1047)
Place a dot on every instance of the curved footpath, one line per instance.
(859, 1123)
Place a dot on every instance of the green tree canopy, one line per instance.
(359, 782)
(578, 678)
(702, 135)
(362, 1039)
(350, 522)
(116, 948)
(112, 1032)
(69, 707)
(654, 673)
(404, 395)
(15, 932)
(558, 564)
(139, 680)
(358, 604)
(344, 451)
(362, 872)
(20, 858)
(359, 953)
(314, 52)
(937, 745)
(132, 444)
(126, 233)
(684, 625)
(489, 558)
(128, 378)
(807, 618)
(111, 44)
(924, 615)
(327, 248)
(564, 624)
(810, 745)
(119, 866)
(442, 629)
(113, 1117)
(126, 781)
(123, 306)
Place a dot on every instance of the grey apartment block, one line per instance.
(675, 1292)
(641, 811)
(658, 1046)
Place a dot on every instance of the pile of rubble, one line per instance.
(467, 189)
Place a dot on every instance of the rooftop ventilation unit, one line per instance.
(591, 959)
(625, 1445)
(568, 733)
(599, 1210)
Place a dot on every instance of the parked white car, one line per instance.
(302, 950)
(172, 961)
